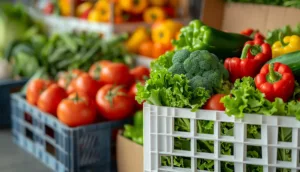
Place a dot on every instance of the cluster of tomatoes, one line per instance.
(78, 98)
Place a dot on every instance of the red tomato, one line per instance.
(214, 103)
(114, 103)
(86, 84)
(76, 111)
(140, 73)
(34, 89)
(96, 68)
(50, 98)
(85, 97)
(66, 80)
(132, 93)
(116, 73)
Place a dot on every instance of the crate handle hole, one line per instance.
(50, 149)
(49, 131)
(29, 134)
(28, 118)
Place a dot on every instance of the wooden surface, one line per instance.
(14, 159)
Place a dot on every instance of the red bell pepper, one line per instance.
(276, 80)
(254, 34)
(242, 67)
(259, 50)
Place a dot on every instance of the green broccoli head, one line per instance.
(180, 56)
(202, 68)
(177, 69)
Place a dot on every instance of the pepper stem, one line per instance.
(245, 51)
(255, 50)
(273, 76)
(281, 37)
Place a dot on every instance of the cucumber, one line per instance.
(291, 59)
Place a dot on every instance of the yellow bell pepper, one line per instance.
(137, 38)
(65, 7)
(287, 45)
(153, 14)
(165, 31)
(134, 6)
(103, 8)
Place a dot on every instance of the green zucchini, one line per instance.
(291, 59)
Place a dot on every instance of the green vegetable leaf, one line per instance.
(293, 109)
(165, 89)
(205, 164)
(164, 61)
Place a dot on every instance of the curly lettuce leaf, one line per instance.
(245, 98)
(165, 161)
(163, 62)
(227, 128)
(182, 124)
(182, 144)
(165, 89)
(181, 162)
(205, 164)
(254, 168)
(293, 109)
(253, 131)
(205, 127)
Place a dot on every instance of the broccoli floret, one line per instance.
(177, 69)
(180, 56)
(199, 81)
(202, 68)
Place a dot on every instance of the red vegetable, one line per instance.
(254, 34)
(86, 84)
(140, 73)
(116, 73)
(276, 80)
(50, 98)
(241, 67)
(35, 89)
(76, 111)
(114, 103)
(259, 50)
(214, 103)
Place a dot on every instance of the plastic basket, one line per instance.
(61, 148)
(6, 87)
(159, 134)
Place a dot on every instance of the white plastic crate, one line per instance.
(144, 61)
(159, 134)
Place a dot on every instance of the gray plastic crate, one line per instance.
(63, 149)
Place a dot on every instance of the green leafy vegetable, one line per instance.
(166, 161)
(135, 131)
(245, 98)
(205, 164)
(165, 89)
(273, 35)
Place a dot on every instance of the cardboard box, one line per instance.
(235, 17)
(130, 155)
